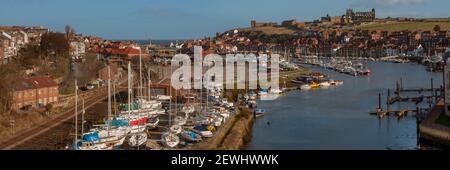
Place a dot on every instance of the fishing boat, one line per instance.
(137, 140)
(259, 112)
(170, 140)
(190, 136)
(202, 131)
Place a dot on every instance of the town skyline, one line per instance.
(140, 20)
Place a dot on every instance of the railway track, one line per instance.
(43, 127)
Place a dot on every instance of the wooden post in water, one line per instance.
(431, 84)
(388, 100)
(401, 83)
(379, 102)
(418, 127)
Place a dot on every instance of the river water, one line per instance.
(338, 117)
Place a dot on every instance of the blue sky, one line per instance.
(185, 19)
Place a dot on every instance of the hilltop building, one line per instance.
(293, 24)
(358, 17)
(255, 24)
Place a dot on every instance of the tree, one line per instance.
(70, 32)
(437, 28)
(29, 56)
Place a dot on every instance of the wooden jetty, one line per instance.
(398, 113)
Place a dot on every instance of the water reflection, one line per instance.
(337, 118)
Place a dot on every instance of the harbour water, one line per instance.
(338, 118)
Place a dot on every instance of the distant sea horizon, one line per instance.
(156, 42)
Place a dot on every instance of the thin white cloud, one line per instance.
(398, 2)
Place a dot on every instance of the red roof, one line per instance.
(37, 82)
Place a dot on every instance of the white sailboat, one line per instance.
(168, 138)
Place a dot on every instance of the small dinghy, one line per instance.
(170, 140)
(202, 131)
(188, 109)
(305, 87)
(325, 84)
(259, 112)
(153, 122)
(179, 120)
(190, 136)
(137, 140)
(176, 129)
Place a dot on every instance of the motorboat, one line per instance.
(203, 131)
(191, 136)
(325, 84)
(305, 87)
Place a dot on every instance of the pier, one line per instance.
(435, 94)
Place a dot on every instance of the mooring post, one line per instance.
(401, 83)
(388, 96)
(429, 102)
(379, 101)
(418, 127)
(388, 101)
(431, 84)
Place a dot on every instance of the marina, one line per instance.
(343, 122)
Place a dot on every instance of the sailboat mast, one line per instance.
(76, 111)
(129, 87)
(109, 98)
(115, 101)
(149, 83)
(170, 100)
(140, 72)
(82, 118)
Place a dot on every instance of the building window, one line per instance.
(55, 99)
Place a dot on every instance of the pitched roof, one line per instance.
(36, 82)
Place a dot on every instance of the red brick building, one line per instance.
(35, 92)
